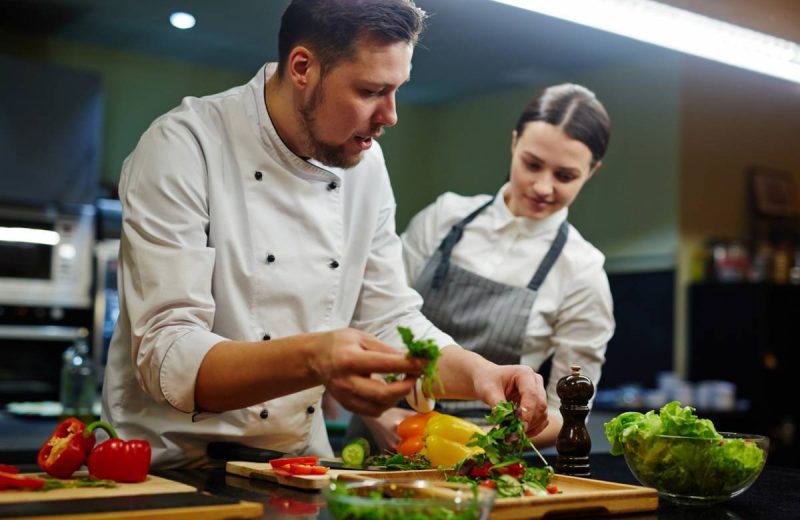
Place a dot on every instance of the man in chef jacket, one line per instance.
(259, 264)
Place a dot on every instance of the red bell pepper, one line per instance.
(118, 460)
(13, 480)
(66, 449)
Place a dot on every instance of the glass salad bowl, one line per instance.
(698, 471)
(408, 500)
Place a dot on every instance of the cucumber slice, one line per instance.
(355, 453)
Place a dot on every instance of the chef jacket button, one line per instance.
(270, 258)
(258, 176)
(310, 410)
(266, 337)
(264, 413)
(334, 264)
(332, 186)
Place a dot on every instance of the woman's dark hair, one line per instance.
(576, 110)
(331, 28)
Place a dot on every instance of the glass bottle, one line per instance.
(78, 379)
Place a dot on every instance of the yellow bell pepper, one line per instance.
(444, 452)
(446, 437)
(452, 428)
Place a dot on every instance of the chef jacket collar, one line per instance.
(306, 169)
(503, 218)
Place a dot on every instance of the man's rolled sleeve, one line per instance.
(178, 372)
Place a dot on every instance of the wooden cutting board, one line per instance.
(577, 497)
(155, 498)
(152, 486)
(263, 470)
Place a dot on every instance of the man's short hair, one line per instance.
(331, 28)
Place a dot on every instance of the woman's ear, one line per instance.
(513, 141)
(594, 169)
(301, 66)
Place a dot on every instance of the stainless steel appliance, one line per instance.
(45, 294)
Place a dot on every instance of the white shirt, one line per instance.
(227, 234)
(572, 317)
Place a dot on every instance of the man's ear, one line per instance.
(513, 140)
(301, 67)
(593, 170)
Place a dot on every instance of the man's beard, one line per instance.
(328, 155)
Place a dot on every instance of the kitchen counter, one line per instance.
(775, 496)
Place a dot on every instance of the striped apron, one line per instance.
(487, 317)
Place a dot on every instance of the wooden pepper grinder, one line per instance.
(573, 443)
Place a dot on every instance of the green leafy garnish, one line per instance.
(83, 482)
(421, 349)
(399, 462)
(680, 453)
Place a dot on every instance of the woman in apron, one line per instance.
(507, 276)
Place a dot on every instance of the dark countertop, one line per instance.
(774, 496)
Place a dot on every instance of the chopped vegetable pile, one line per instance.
(500, 464)
(705, 464)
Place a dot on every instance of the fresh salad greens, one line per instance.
(501, 465)
(373, 504)
(423, 349)
(677, 452)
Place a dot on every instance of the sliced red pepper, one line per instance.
(552, 489)
(488, 483)
(66, 449)
(5, 468)
(306, 469)
(16, 481)
(118, 460)
(279, 463)
(281, 472)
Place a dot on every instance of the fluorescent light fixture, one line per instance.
(29, 236)
(181, 20)
(679, 30)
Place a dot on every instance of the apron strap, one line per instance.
(550, 258)
(450, 241)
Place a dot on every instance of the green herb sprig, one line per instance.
(422, 349)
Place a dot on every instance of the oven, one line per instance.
(45, 295)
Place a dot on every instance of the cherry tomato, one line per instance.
(488, 483)
(411, 445)
(414, 425)
(552, 489)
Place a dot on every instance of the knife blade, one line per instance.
(236, 451)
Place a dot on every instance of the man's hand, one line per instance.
(384, 427)
(521, 385)
(343, 361)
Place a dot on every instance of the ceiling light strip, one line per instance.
(680, 30)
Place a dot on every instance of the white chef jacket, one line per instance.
(227, 234)
(572, 317)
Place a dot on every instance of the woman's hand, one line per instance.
(384, 427)
(343, 361)
(467, 375)
(518, 384)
